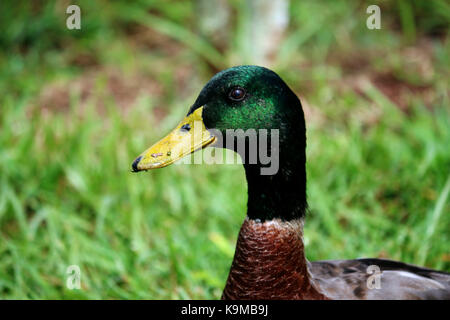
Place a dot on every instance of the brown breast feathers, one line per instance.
(269, 263)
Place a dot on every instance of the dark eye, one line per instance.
(237, 94)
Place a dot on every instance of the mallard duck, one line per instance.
(269, 261)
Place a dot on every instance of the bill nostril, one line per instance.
(135, 164)
(186, 127)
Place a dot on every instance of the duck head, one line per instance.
(246, 99)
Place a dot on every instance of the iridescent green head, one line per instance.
(247, 97)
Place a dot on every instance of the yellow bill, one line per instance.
(190, 135)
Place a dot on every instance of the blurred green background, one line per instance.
(77, 106)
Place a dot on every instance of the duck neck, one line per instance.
(281, 195)
(270, 263)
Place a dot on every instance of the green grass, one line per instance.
(378, 169)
